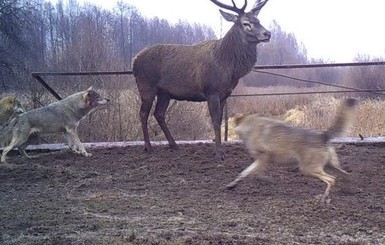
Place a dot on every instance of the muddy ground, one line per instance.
(124, 196)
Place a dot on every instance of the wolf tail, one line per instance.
(343, 119)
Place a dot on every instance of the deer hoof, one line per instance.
(231, 186)
(174, 147)
(149, 149)
(220, 155)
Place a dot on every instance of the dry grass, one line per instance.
(119, 120)
(369, 120)
(311, 111)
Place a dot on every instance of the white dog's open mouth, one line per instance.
(102, 102)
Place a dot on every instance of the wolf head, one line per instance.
(12, 104)
(93, 99)
(9, 108)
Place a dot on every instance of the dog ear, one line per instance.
(86, 96)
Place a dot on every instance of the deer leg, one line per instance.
(215, 109)
(145, 109)
(159, 114)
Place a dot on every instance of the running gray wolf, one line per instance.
(59, 117)
(271, 141)
(10, 106)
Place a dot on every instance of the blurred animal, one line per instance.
(271, 141)
(59, 117)
(9, 108)
(207, 71)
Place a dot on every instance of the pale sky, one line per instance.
(333, 30)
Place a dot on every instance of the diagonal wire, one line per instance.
(303, 93)
(316, 82)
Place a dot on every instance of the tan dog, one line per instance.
(59, 117)
(271, 141)
(9, 108)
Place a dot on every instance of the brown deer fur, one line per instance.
(207, 71)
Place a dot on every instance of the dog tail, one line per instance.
(343, 119)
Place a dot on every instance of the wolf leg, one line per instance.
(23, 152)
(335, 163)
(348, 181)
(73, 139)
(329, 180)
(70, 143)
(32, 139)
(15, 143)
(318, 172)
(256, 167)
(5, 152)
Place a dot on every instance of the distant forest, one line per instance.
(39, 36)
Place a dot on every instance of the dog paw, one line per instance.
(86, 154)
(322, 199)
(231, 186)
(33, 157)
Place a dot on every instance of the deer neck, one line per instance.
(233, 52)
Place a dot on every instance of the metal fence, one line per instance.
(39, 75)
(261, 69)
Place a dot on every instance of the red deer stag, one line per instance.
(207, 71)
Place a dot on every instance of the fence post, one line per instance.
(226, 122)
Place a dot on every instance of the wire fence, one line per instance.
(260, 69)
(38, 76)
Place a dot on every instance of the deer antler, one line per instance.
(232, 8)
(258, 5)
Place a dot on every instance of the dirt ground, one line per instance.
(124, 196)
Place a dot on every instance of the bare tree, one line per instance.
(207, 71)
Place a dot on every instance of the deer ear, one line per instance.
(257, 7)
(256, 13)
(89, 89)
(228, 16)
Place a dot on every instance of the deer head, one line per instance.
(250, 28)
